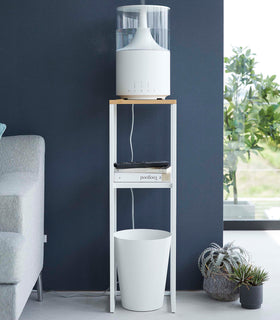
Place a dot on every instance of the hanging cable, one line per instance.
(132, 208)
(131, 132)
(131, 159)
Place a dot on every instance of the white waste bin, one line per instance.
(142, 260)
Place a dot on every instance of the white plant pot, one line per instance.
(241, 210)
(142, 260)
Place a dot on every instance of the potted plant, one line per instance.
(250, 280)
(251, 116)
(216, 264)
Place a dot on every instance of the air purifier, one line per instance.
(142, 55)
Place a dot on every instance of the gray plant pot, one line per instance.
(252, 297)
(220, 288)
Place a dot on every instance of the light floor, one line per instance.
(264, 246)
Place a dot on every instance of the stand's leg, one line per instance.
(113, 203)
(112, 253)
(115, 190)
(173, 206)
(115, 229)
(173, 251)
(39, 286)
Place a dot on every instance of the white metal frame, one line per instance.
(172, 185)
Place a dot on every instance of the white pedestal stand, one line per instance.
(167, 184)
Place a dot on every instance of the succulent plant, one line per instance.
(248, 275)
(219, 260)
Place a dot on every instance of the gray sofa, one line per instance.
(22, 161)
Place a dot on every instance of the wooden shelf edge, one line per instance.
(146, 101)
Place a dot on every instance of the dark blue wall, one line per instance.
(57, 74)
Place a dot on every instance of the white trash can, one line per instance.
(142, 260)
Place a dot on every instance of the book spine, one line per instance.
(138, 177)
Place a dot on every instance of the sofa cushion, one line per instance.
(11, 257)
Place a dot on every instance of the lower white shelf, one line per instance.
(135, 185)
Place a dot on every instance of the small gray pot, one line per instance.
(251, 297)
(220, 288)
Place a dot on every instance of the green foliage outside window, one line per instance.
(251, 113)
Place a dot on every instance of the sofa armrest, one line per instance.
(18, 197)
(11, 257)
(22, 154)
(17, 183)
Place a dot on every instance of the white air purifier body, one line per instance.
(143, 56)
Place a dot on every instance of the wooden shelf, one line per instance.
(146, 101)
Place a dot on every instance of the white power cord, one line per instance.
(131, 132)
(131, 159)
(132, 208)
(81, 294)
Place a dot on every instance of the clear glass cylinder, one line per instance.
(151, 18)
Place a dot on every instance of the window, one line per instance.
(252, 111)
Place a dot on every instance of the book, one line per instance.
(141, 177)
(143, 170)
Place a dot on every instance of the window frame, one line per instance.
(251, 224)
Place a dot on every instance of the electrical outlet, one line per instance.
(45, 238)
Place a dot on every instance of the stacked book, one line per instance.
(143, 172)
